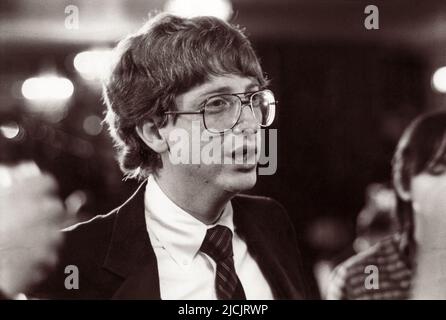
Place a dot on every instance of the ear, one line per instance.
(150, 134)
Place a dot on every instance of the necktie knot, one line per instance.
(218, 243)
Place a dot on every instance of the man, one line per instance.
(185, 234)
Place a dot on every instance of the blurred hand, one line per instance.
(30, 220)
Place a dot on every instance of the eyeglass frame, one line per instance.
(242, 104)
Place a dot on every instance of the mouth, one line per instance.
(245, 156)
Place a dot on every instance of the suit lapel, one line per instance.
(130, 253)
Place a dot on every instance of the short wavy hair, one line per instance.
(168, 56)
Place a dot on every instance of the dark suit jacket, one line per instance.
(115, 258)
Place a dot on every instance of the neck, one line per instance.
(430, 261)
(200, 199)
(429, 279)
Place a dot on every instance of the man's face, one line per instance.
(235, 153)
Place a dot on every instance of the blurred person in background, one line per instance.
(410, 264)
(377, 220)
(31, 215)
(330, 236)
(185, 233)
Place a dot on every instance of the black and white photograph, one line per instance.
(233, 150)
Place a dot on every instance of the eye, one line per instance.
(219, 103)
(258, 101)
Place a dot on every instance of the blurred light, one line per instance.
(192, 8)
(439, 80)
(93, 64)
(47, 96)
(47, 88)
(10, 130)
(92, 125)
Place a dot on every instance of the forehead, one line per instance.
(216, 85)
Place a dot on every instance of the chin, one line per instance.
(240, 179)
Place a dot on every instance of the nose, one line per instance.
(247, 123)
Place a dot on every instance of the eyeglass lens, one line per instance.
(223, 111)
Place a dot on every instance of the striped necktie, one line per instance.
(217, 244)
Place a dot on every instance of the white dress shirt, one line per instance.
(184, 271)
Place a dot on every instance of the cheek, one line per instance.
(429, 194)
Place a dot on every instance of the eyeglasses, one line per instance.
(222, 112)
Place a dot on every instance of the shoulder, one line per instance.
(98, 227)
(94, 234)
(382, 253)
(264, 211)
(83, 252)
(272, 227)
(254, 199)
(259, 205)
(86, 247)
(384, 258)
(267, 218)
(87, 240)
(82, 255)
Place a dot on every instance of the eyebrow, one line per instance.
(251, 86)
(227, 89)
(223, 89)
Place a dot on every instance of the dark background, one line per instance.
(345, 94)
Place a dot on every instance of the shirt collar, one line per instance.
(180, 233)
